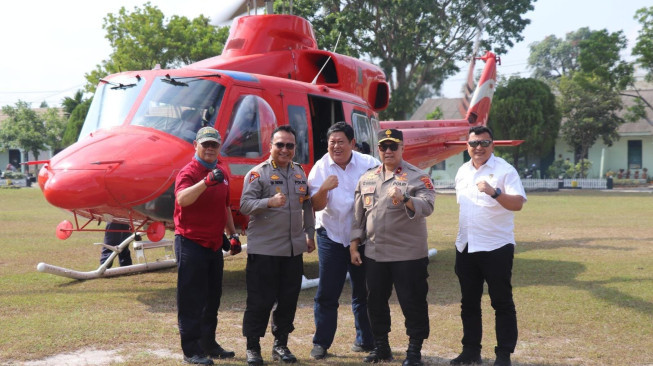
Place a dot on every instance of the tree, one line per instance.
(590, 108)
(69, 104)
(144, 38)
(75, 109)
(525, 109)
(644, 46)
(23, 129)
(644, 49)
(415, 42)
(553, 57)
(590, 87)
(436, 114)
(75, 123)
(55, 124)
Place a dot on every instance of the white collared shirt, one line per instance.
(483, 223)
(338, 214)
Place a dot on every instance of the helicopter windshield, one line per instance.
(250, 128)
(111, 103)
(180, 108)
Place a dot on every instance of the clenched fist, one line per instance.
(216, 176)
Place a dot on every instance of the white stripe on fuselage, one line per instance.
(485, 90)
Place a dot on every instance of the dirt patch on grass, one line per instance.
(93, 357)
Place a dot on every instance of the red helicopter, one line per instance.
(141, 124)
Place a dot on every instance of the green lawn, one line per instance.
(583, 286)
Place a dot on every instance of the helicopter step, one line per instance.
(140, 246)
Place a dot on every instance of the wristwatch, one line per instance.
(406, 197)
(234, 236)
(497, 193)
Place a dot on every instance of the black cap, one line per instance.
(390, 134)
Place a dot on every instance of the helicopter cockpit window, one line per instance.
(364, 131)
(297, 119)
(250, 128)
(111, 103)
(181, 107)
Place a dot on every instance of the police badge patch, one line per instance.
(427, 182)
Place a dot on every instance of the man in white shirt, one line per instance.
(488, 190)
(332, 182)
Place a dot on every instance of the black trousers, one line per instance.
(272, 280)
(199, 289)
(495, 268)
(410, 282)
(115, 239)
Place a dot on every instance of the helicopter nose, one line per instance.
(121, 167)
(73, 188)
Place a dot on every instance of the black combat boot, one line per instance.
(414, 353)
(214, 350)
(503, 359)
(254, 357)
(469, 356)
(381, 351)
(280, 351)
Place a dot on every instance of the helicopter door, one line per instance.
(296, 109)
(324, 113)
(250, 128)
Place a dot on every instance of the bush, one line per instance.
(560, 169)
(14, 175)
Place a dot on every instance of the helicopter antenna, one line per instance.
(327, 61)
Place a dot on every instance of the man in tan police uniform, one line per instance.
(281, 228)
(391, 204)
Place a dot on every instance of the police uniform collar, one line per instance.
(275, 166)
(397, 170)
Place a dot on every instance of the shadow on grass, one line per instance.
(233, 291)
(539, 272)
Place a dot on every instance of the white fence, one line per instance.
(541, 184)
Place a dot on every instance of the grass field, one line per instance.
(583, 286)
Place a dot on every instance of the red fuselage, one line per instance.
(140, 127)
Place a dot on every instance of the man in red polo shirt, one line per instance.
(202, 214)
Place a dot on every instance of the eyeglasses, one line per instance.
(484, 143)
(287, 145)
(208, 144)
(393, 146)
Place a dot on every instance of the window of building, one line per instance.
(635, 154)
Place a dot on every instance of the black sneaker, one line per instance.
(198, 360)
(318, 352)
(356, 347)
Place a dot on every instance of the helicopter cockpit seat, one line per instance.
(191, 122)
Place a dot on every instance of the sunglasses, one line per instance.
(208, 144)
(393, 146)
(287, 145)
(484, 143)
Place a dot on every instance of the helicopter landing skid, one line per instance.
(102, 271)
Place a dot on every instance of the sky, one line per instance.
(47, 46)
